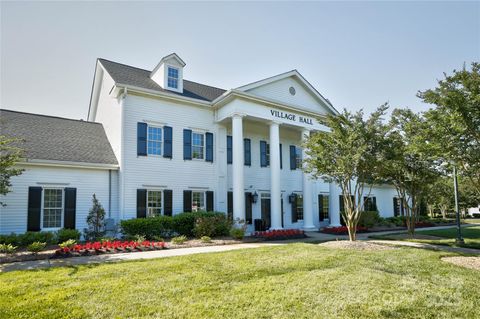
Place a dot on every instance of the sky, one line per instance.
(357, 54)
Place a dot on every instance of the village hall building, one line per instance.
(155, 144)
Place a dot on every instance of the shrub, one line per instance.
(179, 240)
(476, 215)
(184, 224)
(68, 244)
(66, 234)
(213, 225)
(151, 228)
(140, 238)
(7, 248)
(369, 219)
(95, 221)
(206, 239)
(397, 221)
(36, 247)
(12, 239)
(43, 237)
(237, 233)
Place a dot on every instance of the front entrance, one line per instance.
(265, 206)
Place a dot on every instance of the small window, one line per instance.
(198, 145)
(198, 201)
(298, 157)
(268, 154)
(52, 207)
(299, 206)
(154, 203)
(172, 78)
(324, 213)
(154, 140)
(370, 204)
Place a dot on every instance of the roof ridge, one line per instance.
(134, 67)
(50, 116)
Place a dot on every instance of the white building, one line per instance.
(185, 146)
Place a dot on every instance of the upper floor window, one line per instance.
(172, 78)
(198, 145)
(198, 201)
(52, 207)
(154, 140)
(298, 157)
(154, 203)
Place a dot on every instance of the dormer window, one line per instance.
(172, 81)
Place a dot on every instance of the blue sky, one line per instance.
(357, 54)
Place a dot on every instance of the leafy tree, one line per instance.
(95, 221)
(454, 124)
(9, 156)
(405, 163)
(348, 156)
(440, 195)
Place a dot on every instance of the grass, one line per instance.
(288, 281)
(470, 234)
(471, 220)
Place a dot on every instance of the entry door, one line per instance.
(265, 203)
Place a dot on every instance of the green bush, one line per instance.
(43, 236)
(206, 239)
(150, 228)
(7, 248)
(179, 240)
(184, 223)
(237, 233)
(398, 221)
(66, 234)
(369, 219)
(213, 225)
(68, 244)
(12, 239)
(36, 247)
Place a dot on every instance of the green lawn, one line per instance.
(290, 281)
(471, 221)
(470, 234)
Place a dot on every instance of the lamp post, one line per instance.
(459, 239)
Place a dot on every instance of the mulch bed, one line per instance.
(467, 262)
(355, 245)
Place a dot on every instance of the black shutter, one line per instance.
(70, 208)
(141, 203)
(281, 157)
(293, 157)
(167, 202)
(247, 151)
(320, 207)
(366, 204)
(342, 204)
(141, 139)
(209, 195)
(230, 205)
(294, 209)
(229, 149)
(248, 207)
(395, 207)
(263, 154)
(187, 144)
(374, 204)
(167, 142)
(34, 208)
(209, 147)
(187, 201)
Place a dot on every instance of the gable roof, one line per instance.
(294, 74)
(51, 138)
(129, 75)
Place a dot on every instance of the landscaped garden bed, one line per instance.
(280, 234)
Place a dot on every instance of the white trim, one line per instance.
(156, 141)
(43, 207)
(167, 57)
(40, 162)
(161, 201)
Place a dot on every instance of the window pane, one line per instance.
(198, 201)
(154, 140)
(325, 201)
(52, 208)
(154, 203)
(299, 202)
(268, 154)
(172, 78)
(298, 156)
(197, 145)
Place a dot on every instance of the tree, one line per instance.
(95, 221)
(454, 124)
(440, 195)
(405, 163)
(9, 156)
(348, 156)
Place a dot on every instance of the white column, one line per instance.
(307, 192)
(334, 209)
(275, 192)
(237, 168)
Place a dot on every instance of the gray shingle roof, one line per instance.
(129, 75)
(58, 139)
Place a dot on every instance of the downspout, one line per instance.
(109, 193)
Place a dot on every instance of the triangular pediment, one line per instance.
(291, 88)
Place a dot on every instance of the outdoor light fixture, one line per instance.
(291, 198)
(254, 197)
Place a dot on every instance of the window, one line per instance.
(370, 204)
(172, 78)
(154, 203)
(52, 207)
(198, 144)
(198, 201)
(398, 206)
(154, 140)
(324, 212)
(298, 157)
(268, 154)
(299, 206)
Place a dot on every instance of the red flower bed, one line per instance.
(95, 248)
(342, 230)
(280, 234)
(424, 224)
